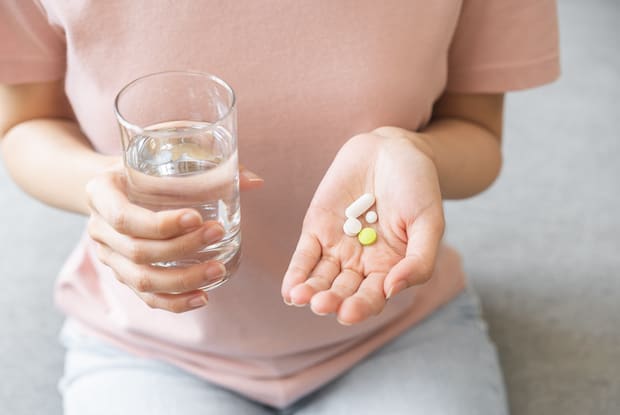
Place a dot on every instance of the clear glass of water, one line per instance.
(179, 136)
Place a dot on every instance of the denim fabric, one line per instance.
(444, 365)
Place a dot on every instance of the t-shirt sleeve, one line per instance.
(503, 45)
(31, 49)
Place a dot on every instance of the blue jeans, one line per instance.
(444, 365)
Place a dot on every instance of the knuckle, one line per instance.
(150, 300)
(118, 220)
(297, 271)
(189, 278)
(425, 269)
(425, 278)
(102, 253)
(375, 303)
(367, 299)
(187, 246)
(121, 278)
(176, 306)
(421, 270)
(165, 224)
(161, 227)
(142, 282)
(183, 282)
(318, 283)
(136, 253)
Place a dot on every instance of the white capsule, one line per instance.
(371, 216)
(361, 205)
(352, 227)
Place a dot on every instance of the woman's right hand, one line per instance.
(130, 238)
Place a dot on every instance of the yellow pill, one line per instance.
(367, 236)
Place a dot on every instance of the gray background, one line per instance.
(541, 246)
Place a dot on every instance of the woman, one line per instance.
(335, 99)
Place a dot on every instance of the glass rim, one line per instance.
(136, 128)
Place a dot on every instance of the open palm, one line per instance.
(333, 272)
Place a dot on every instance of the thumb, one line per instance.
(424, 237)
(411, 270)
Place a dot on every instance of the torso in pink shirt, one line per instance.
(307, 77)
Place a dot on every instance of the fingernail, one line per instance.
(344, 323)
(213, 234)
(251, 176)
(287, 302)
(396, 288)
(190, 220)
(215, 270)
(197, 301)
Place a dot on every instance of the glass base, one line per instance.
(231, 265)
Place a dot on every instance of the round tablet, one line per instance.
(352, 226)
(371, 216)
(367, 236)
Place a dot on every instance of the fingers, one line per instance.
(303, 261)
(249, 180)
(145, 251)
(424, 237)
(176, 303)
(352, 296)
(153, 279)
(369, 300)
(106, 195)
(344, 286)
(321, 278)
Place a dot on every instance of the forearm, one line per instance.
(464, 141)
(52, 161)
(467, 156)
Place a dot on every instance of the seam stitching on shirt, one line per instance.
(532, 62)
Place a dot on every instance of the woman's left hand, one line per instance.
(333, 272)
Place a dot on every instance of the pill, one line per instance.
(361, 205)
(371, 216)
(352, 227)
(367, 236)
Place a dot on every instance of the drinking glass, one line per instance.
(179, 137)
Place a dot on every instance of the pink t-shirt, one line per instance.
(308, 76)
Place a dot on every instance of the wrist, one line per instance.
(419, 140)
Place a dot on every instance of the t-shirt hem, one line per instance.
(233, 373)
(504, 78)
(286, 390)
